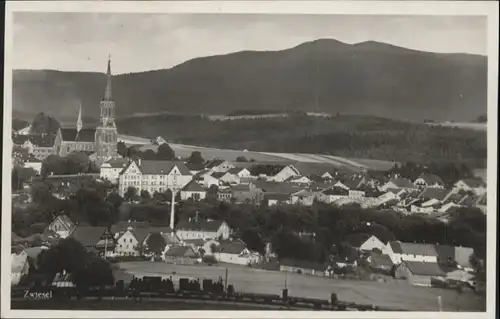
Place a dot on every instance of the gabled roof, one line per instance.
(235, 170)
(142, 233)
(231, 247)
(433, 193)
(275, 187)
(218, 175)
(201, 225)
(352, 184)
(214, 163)
(180, 251)
(307, 169)
(413, 249)
(303, 193)
(339, 191)
(162, 167)
(72, 135)
(473, 182)
(357, 239)
(431, 179)
(380, 260)
(46, 140)
(402, 182)
(65, 221)
(88, 235)
(445, 253)
(425, 269)
(197, 242)
(122, 226)
(193, 186)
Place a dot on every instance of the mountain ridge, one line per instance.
(323, 75)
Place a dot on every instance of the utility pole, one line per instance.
(225, 288)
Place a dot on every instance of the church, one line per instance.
(101, 141)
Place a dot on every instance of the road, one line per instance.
(396, 294)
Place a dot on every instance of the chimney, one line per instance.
(139, 161)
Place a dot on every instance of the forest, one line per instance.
(342, 135)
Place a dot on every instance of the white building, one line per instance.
(111, 169)
(429, 180)
(286, 173)
(35, 164)
(193, 191)
(399, 252)
(19, 267)
(475, 185)
(236, 252)
(372, 243)
(62, 225)
(127, 244)
(202, 229)
(154, 176)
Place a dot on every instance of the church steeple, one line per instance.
(107, 92)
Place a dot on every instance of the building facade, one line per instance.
(154, 176)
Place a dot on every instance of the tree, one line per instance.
(253, 239)
(54, 164)
(165, 152)
(196, 159)
(122, 149)
(241, 159)
(130, 194)
(149, 155)
(43, 124)
(155, 244)
(115, 199)
(95, 272)
(77, 162)
(145, 195)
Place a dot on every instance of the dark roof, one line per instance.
(122, 226)
(87, 235)
(357, 239)
(445, 253)
(198, 242)
(402, 182)
(218, 174)
(433, 193)
(431, 179)
(275, 187)
(231, 247)
(85, 134)
(215, 162)
(352, 184)
(201, 225)
(142, 233)
(45, 140)
(424, 269)
(277, 196)
(380, 260)
(162, 167)
(304, 264)
(336, 191)
(65, 220)
(193, 186)
(307, 169)
(181, 251)
(235, 170)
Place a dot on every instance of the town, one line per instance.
(90, 208)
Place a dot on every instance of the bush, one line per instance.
(209, 259)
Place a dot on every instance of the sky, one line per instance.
(142, 42)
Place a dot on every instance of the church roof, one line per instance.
(85, 135)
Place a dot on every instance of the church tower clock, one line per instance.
(106, 135)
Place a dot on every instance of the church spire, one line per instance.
(107, 92)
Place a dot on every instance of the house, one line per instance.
(271, 199)
(371, 243)
(210, 179)
(398, 183)
(95, 238)
(303, 197)
(204, 247)
(353, 183)
(481, 203)
(181, 255)
(35, 164)
(419, 273)
(429, 193)
(420, 208)
(303, 267)
(133, 240)
(299, 180)
(38, 145)
(224, 195)
(429, 180)
(19, 267)
(235, 252)
(62, 225)
(154, 176)
(219, 165)
(380, 263)
(110, 170)
(475, 185)
(286, 173)
(203, 229)
(399, 252)
(241, 172)
(128, 243)
(247, 193)
(332, 194)
(193, 191)
(227, 178)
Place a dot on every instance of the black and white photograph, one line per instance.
(265, 158)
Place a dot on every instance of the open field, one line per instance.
(470, 126)
(395, 295)
(264, 157)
